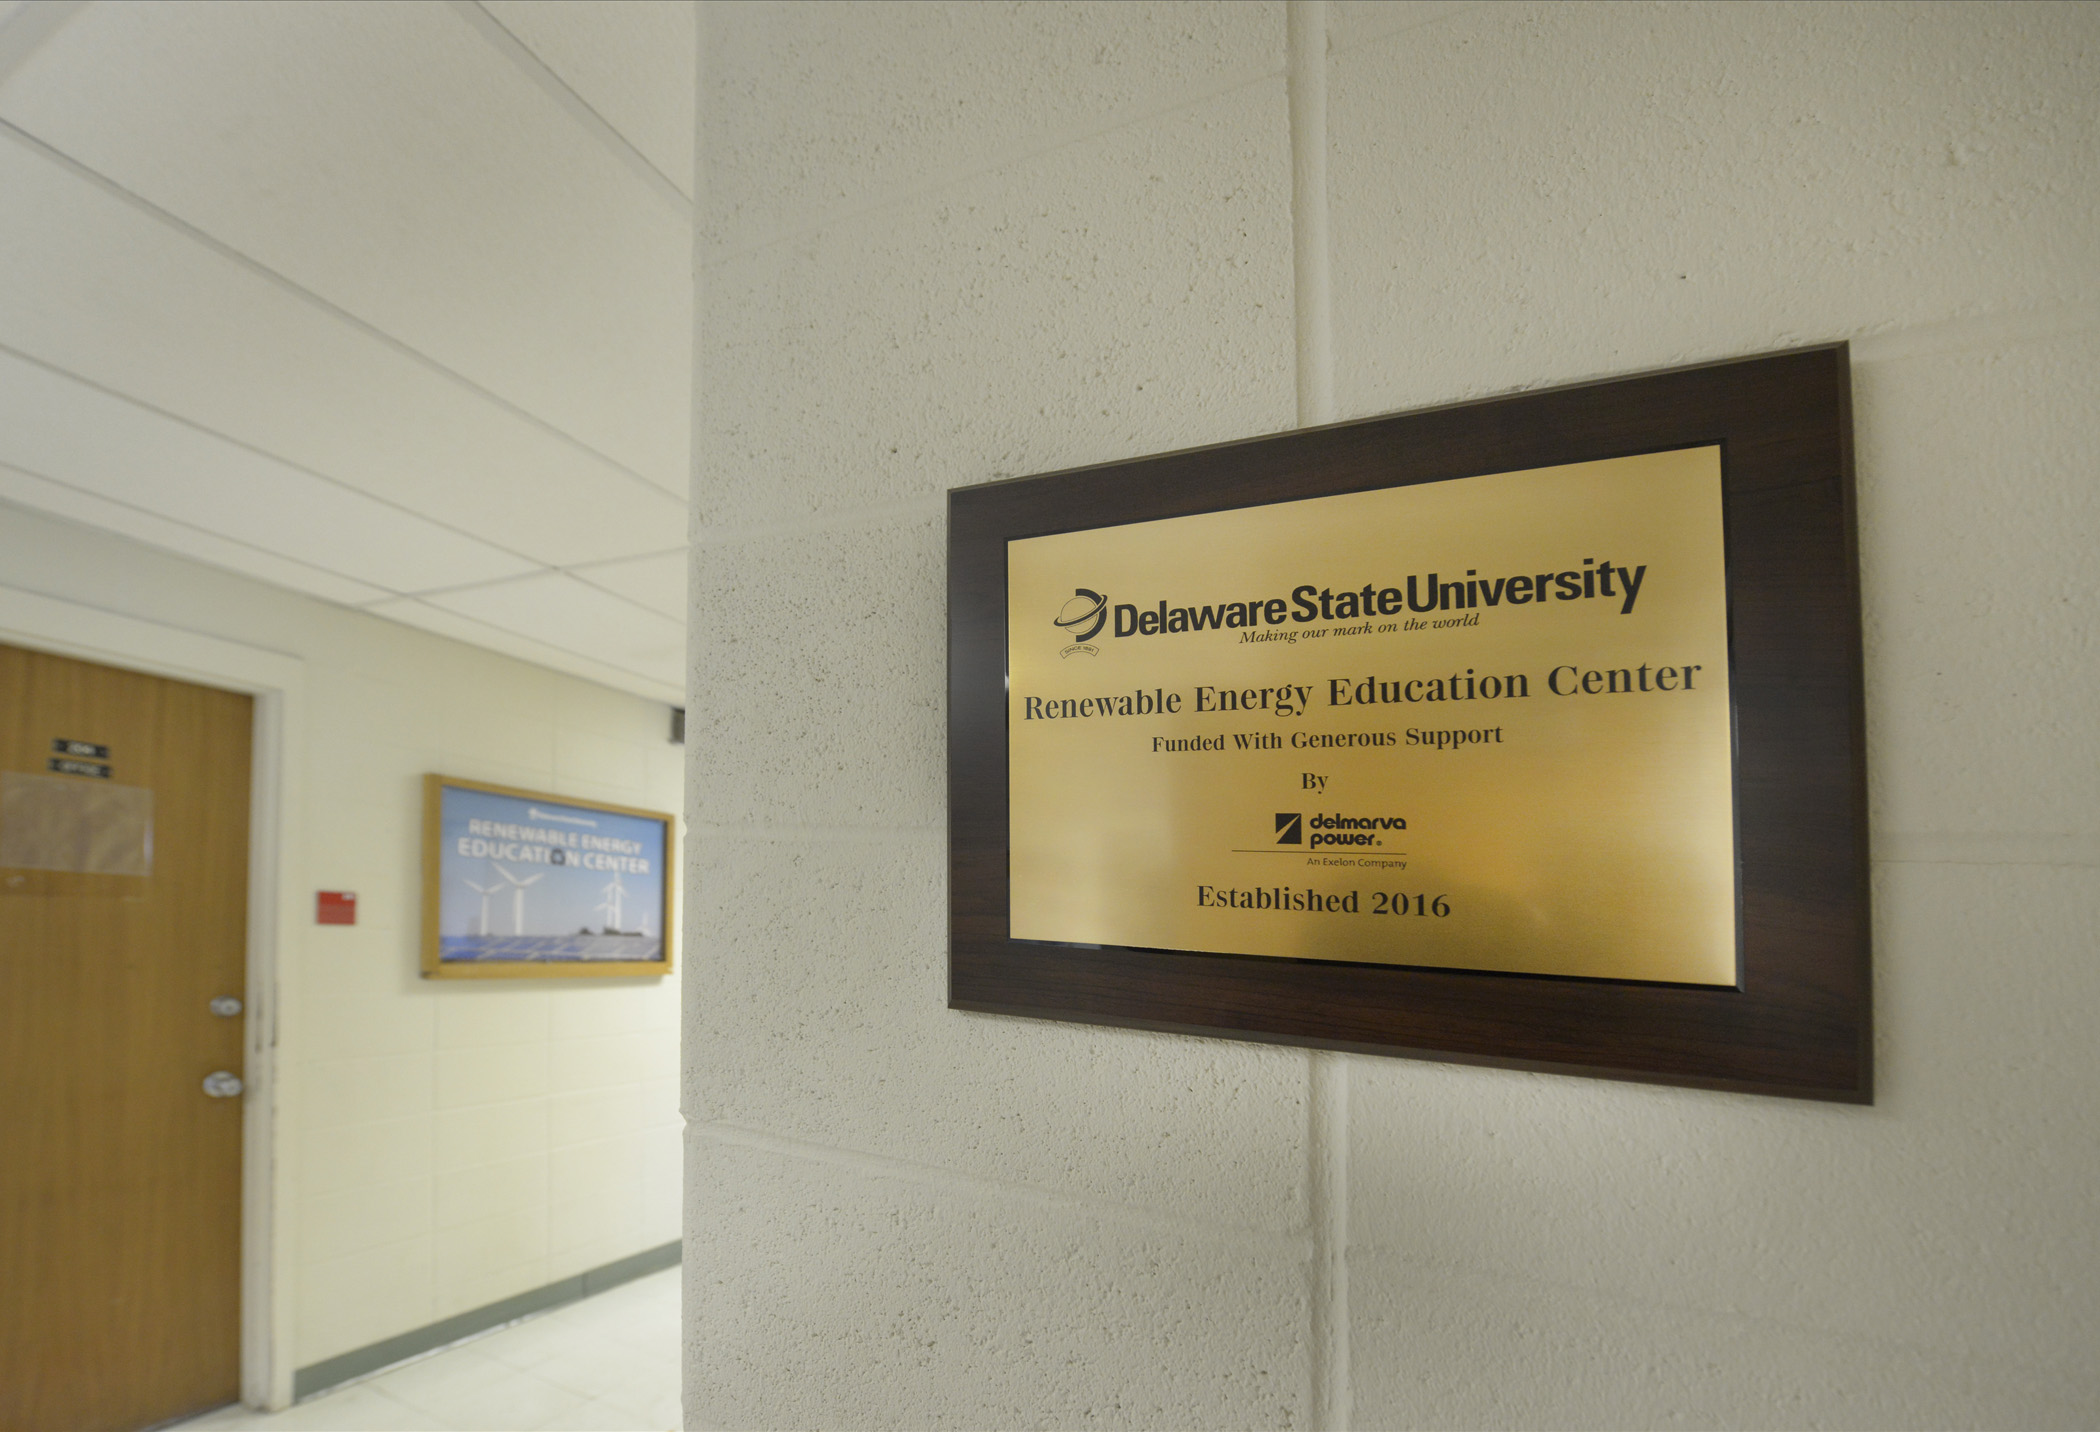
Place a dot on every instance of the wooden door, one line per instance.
(120, 1177)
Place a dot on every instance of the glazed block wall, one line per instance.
(442, 1144)
(944, 244)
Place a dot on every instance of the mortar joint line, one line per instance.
(1311, 277)
(1020, 153)
(935, 1176)
(833, 834)
(808, 524)
(1327, 1074)
(1397, 31)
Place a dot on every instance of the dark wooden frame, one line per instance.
(1800, 1022)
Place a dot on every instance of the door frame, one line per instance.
(277, 682)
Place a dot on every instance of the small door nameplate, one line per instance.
(66, 766)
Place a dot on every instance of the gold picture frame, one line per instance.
(547, 857)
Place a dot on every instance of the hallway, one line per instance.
(606, 1364)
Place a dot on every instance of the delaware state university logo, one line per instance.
(1081, 620)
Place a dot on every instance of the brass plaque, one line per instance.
(1478, 724)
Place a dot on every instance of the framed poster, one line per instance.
(520, 884)
(1522, 732)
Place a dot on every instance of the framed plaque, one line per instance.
(1521, 732)
(520, 884)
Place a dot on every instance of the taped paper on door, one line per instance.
(78, 826)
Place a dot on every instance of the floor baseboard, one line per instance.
(361, 1362)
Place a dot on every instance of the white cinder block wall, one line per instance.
(941, 244)
(442, 1145)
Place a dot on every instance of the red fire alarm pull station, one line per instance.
(336, 907)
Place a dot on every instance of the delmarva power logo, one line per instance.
(1081, 619)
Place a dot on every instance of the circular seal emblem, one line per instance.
(1082, 618)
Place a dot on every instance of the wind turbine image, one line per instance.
(614, 893)
(484, 891)
(517, 902)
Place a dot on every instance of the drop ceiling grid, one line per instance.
(92, 285)
(240, 381)
(655, 581)
(389, 160)
(40, 494)
(666, 683)
(556, 607)
(636, 73)
(70, 431)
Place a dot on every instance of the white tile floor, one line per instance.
(608, 1363)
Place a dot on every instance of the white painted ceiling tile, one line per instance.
(95, 286)
(24, 27)
(559, 610)
(385, 156)
(417, 613)
(657, 582)
(633, 61)
(69, 432)
(28, 490)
